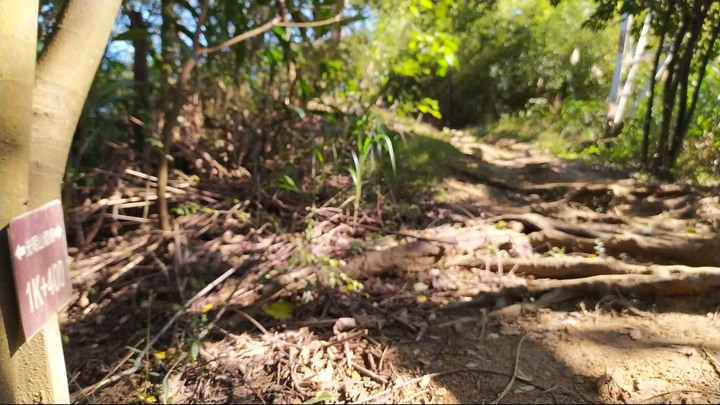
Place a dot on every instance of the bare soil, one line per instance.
(536, 280)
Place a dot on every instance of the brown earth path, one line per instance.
(425, 331)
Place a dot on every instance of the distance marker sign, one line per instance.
(38, 250)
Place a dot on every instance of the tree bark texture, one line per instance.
(40, 104)
(18, 36)
(653, 80)
(141, 104)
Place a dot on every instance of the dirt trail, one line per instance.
(451, 315)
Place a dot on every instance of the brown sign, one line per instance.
(39, 256)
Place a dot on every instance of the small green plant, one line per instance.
(336, 278)
(364, 158)
(186, 209)
(287, 183)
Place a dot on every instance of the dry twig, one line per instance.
(514, 374)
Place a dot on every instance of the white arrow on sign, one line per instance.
(20, 251)
(57, 232)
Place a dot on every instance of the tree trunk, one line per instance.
(656, 71)
(703, 66)
(659, 71)
(698, 15)
(627, 87)
(17, 44)
(39, 109)
(61, 87)
(141, 104)
(170, 101)
(337, 30)
(670, 89)
(168, 52)
(682, 129)
(170, 126)
(625, 22)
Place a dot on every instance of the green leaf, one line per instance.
(279, 310)
(413, 10)
(305, 90)
(282, 33)
(287, 183)
(358, 165)
(320, 396)
(319, 157)
(271, 55)
(427, 4)
(389, 147)
(165, 390)
(300, 112)
(134, 34)
(354, 175)
(335, 64)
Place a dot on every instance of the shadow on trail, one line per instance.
(403, 343)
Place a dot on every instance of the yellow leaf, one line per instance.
(421, 299)
(279, 310)
(691, 229)
(161, 355)
(592, 256)
(148, 398)
(206, 308)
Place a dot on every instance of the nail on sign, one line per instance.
(39, 257)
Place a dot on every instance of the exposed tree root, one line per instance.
(562, 277)
(411, 257)
(688, 248)
(565, 267)
(700, 282)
